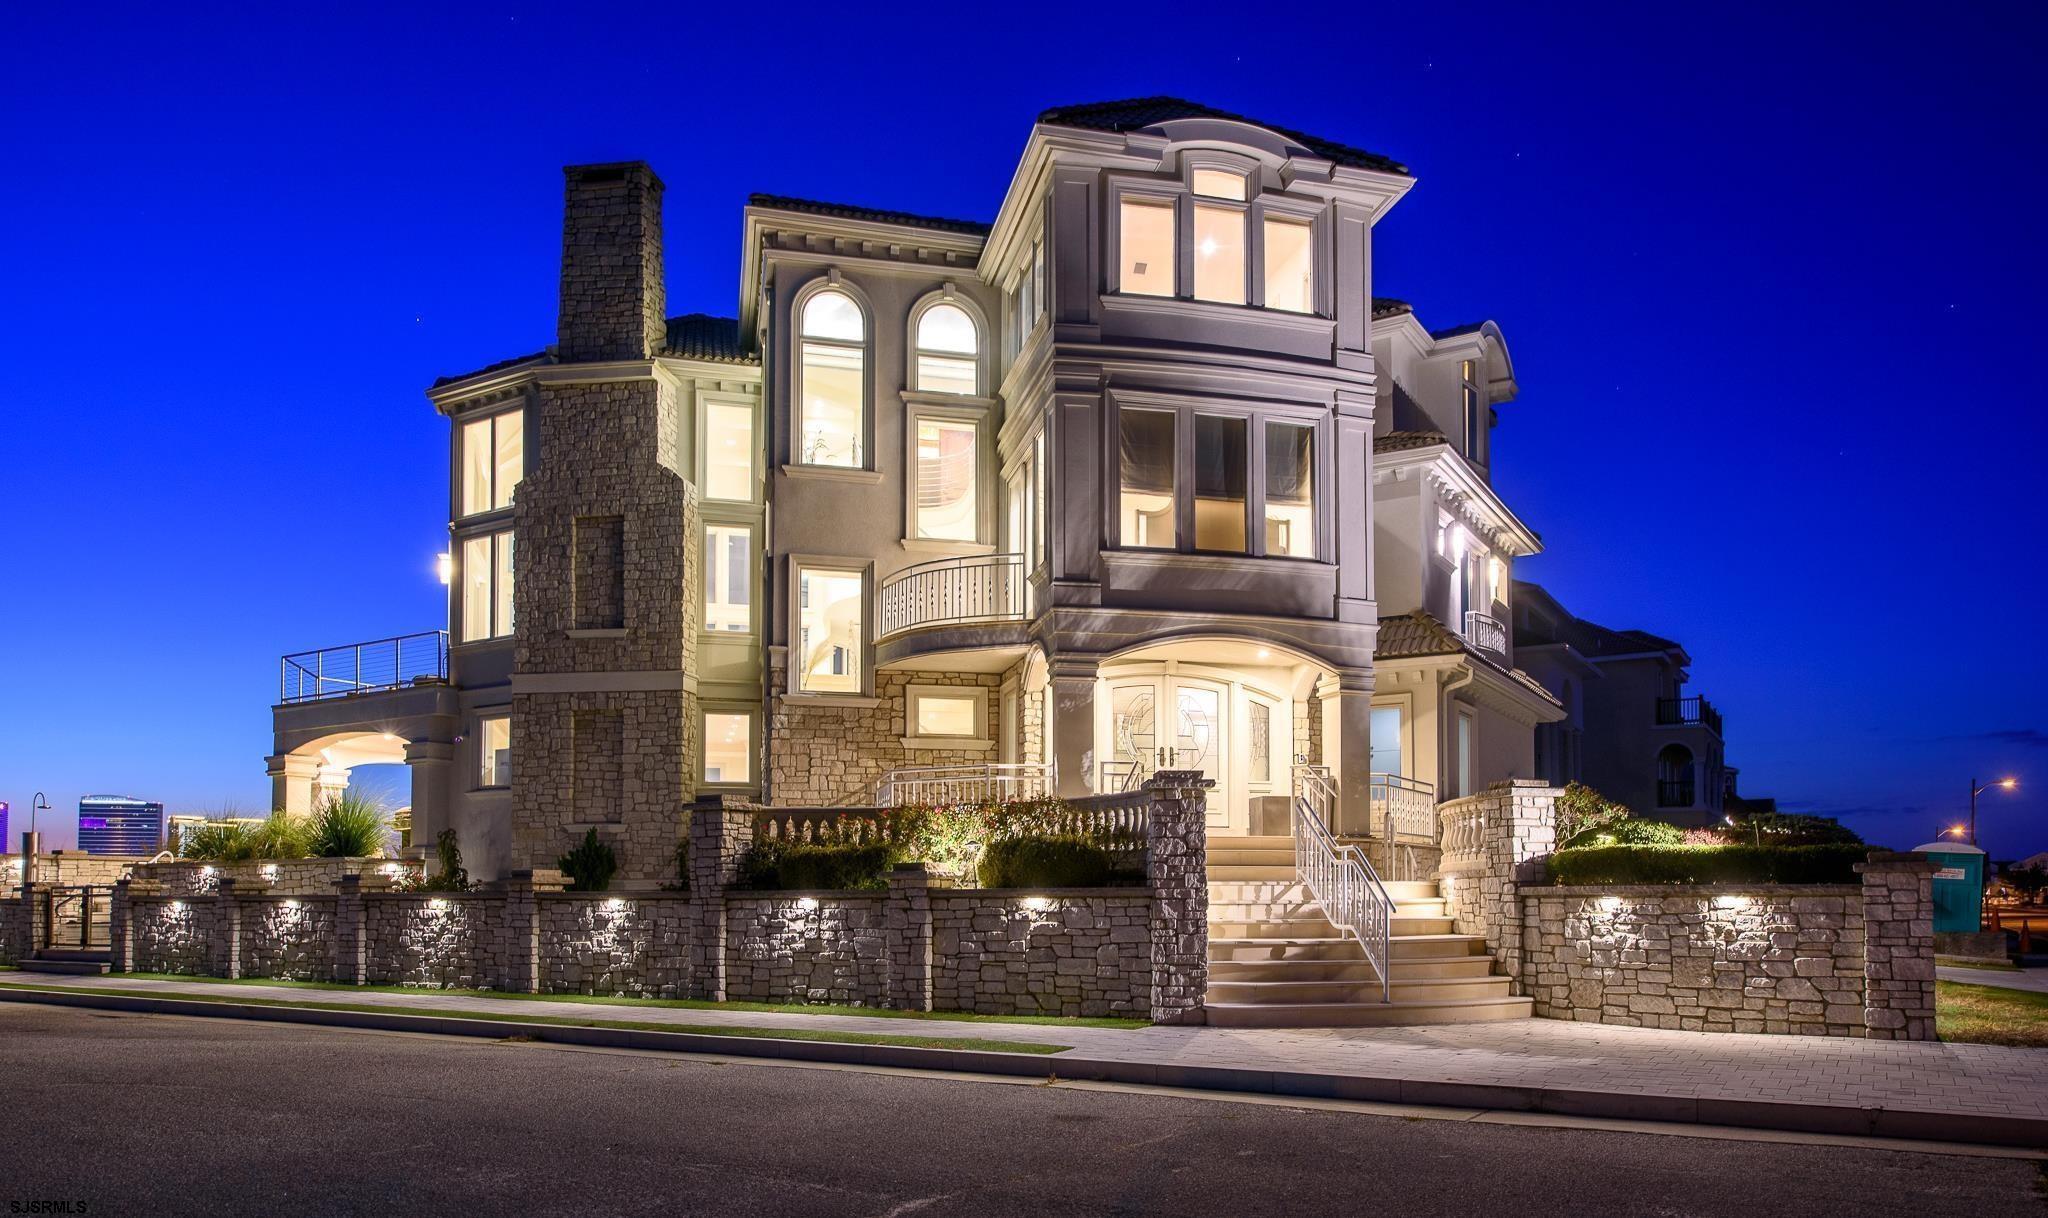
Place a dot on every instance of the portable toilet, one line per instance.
(1958, 886)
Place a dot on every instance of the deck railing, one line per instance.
(954, 591)
(1694, 711)
(1486, 632)
(356, 668)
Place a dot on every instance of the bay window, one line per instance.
(831, 397)
(1220, 477)
(487, 587)
(1146, 489)
(1147, 237)
(1219, 240)
(728, 451)
(1290, 490)
(493, 460)
(1219, 223)
(728, 578)
(1290, 264)
(831, 629)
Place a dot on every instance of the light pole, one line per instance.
(2004, 784)
(38, 803)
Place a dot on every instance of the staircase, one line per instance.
(85, 961)
(1276, 962)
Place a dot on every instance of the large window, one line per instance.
(948, 350)
(942, 716)
(1028, 524)
(1146, 499)
(1219, 236)
(728, 747)
(1221, 468)
(831, 423)
(487, 587)
(1290, 490)
(493, 460)
(1290, 265)
(728, 578)
(1146, 243)
(494, 752)
(1386, 740)
(830, 629)
(728, 451)
(947, 499)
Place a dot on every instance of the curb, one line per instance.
(1920, 1125)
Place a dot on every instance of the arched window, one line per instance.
(831, 395)
(1675, 787)
(948, 350)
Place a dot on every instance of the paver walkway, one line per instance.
(2035, 979)
(1984, 1080)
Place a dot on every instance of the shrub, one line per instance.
(1630, 832)
(1581, 809)
(215, 841)
(591, 865)
(280, 836)
(1060, 860)
(348, 826)
(1771, 828)
(772, 865)
(451, 878)
(1828, 864)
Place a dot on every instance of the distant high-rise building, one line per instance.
(5, 844)
(113, 824)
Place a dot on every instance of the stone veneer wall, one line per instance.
(818, 755)
(807, 947)
(288, 938)
(1898, 924)
(1084, 952)
(176, 936)
(1779, 958)
(284, 877)
(14, 930)
(441, 942)
(591, 943)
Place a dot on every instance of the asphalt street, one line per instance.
(137, 1114)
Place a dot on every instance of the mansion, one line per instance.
(1139, 475)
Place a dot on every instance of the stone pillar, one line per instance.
(718, 837)
(429, 764)
(227, 926)
(120, 926)
(1177, 870)
(519, 954)
(1898, 947)
(291, 782)
(1517, 829)
(352, 928)
(909, 921)
(1072, 730)
(36, 899)
(1347, 747)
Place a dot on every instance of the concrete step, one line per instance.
(1405, 925)
(1294, 993)
(1364, 1014)
(1412, 890)
(1420, 968)
(1312, 927)
(1287, 988)
(1414, 946)
(1411, 907)
(1252, 841)
(1356, 969)
(35, 964)
(1304, 948)
(1257, 911)
(1259, 856)
(1244, 871)
(1258, 890)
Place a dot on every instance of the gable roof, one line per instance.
(1135, 113)
(1419, 634)
(704, 337)
(1589, 639)
(873, 215)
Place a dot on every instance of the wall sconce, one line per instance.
(1731, 902)
(1038, 902)
(444, 566)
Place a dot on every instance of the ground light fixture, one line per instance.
(2003, 784)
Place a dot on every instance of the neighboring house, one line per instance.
(1059, 499)
(116, 824)
(1631, 730)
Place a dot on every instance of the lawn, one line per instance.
(1991, 1015)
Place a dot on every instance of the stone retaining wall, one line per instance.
(435, 942)
(289, 938)
(1084, 952)
(807, 947)
(284, 877)
(637, 946)
(14, 930)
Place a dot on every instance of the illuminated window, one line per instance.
(947, 497)
(1221, 468)
(487, 587)
(728, 578)
(942, 713)
(493, 460)
(832, 382)
(1290, 490)
(1219, 184)
(728, 747)
(1219, 236)
(830, 629)
(728, 451)
(1146, 235)
(1145, 500)
(1290, 265)
(494, 752)
(947, 347)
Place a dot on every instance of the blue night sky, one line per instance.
(1771, 279)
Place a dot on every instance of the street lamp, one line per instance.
(2003, 784)
(38, 803)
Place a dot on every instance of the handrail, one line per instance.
(940, 784)
(1341, 878)
(1690, 711)
(952, 591)
(356, 668)
(1403, 809)
(1116, 777)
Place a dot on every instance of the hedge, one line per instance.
(771, 865)
(1055, 860)
(1830, 864)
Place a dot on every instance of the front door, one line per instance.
(1168, 722)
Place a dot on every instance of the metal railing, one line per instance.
(1341, 878)
(73, 914)
(1403, 809)
(1486, 632)
(954, 591)
(1116, 777)
(356, 668)
(963, 784)
(1675, 792)
(1694, 711)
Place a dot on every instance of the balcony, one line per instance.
(981, 588)
(1695, 711)
(361, 668)
(1675, 793)
(1487, 633)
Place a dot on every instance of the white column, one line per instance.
(430, 764)
(1072, 730)
(291, 782)
(1347, 745)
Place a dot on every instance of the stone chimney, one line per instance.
(614, 301)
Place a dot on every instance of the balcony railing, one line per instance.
(1403, 809)
(1487, 633)
(963, 784)
(358, 668)
(1675, 793)
(1695, 711)
(954, 591)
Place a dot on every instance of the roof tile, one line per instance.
(876, 215)
(1132, 114)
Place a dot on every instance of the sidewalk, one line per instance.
(1979, 1093)
(2034, 979)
